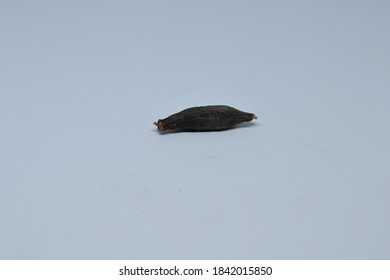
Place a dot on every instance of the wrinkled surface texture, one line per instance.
(205, 118)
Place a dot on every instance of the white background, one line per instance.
(194, 269)
(85, 175)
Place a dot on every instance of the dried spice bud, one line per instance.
(205, 118)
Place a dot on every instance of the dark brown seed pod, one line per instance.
(205, 118)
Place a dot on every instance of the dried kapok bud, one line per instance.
(205, 118)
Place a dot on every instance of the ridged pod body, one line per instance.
(205, 118)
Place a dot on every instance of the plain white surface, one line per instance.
(85, 174)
